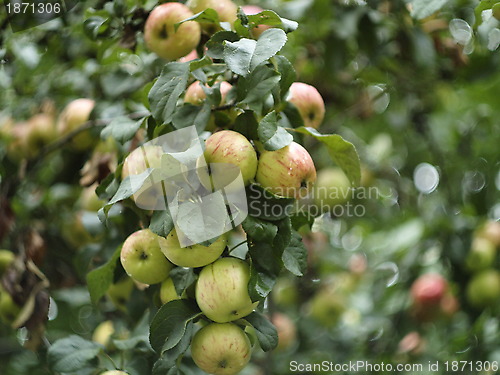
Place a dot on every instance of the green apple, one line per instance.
(231, 147)
(484, 289)
(137, 162)
(332, 188)
(168, 292)
(327, 306)
(288, 172)
(309, 102)
(221, 349)
(162, 38)
(194, 255)
(287, 332)
(496, 11)
(142, 259)
(222, 290)
(74, 115)
(9, 310)
(119, 293)
(7, 257)
(285, 293)
(226, 10)
(481, 255)
(103, 332)
(251, 10)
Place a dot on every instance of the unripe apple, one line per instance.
(327, 306)
(74, 115)
(226, 10)
(18, 147)
(162, 38)
(221, 349)
(142, 259)
(137, 162)
(285, 293)
(195, 255)
(231, 147)
(484, 289)
(42, 129)
(332, 188)
(288, 172)
(7, 257)
(287, 332)
(103, 332)
(222, 290)
(168, 292)
(9, 310)
(481, 255)
(119, 293)
(309, 102)
(254, 9)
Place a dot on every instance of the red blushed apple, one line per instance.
(288, 172)
(195, 94)
(193, 55)
(251, 10)
(226, 10)
(429, 289)
(162, 38)
(309, 103)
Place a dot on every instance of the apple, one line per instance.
(429, 289)
(484, 289)
(254, 9)
(193, 55)
(18, 147)
(74, 115)
(195, 255)
(137, 162)
(196, 96)
(7, 257)
(491, 231)
(288, 172)
(412, 343)
(327, 306)
(9, 310)
(42, 129)
(142, 259)
(162, 38)
(496, 11)
(226, 10)
(309, 103)
(88, 200)
(285, 293)
(332, 188)
(231, 147)
(481, 255)
(222, 290)
(168, 292)
(119, 293)
(103, 332)
(221, 349)
(287, 333)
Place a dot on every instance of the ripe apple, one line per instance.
(231, 147)
(332, 188)
(9, 310)
(221, 349)
(429, 289)
(193, 55)
(160, 35)
(168, 292)
(484, 289)
(195, 255)
(75, 114)
(222, 290)
(287, 333)
(309, 102)
(481, 255)
(142, 259)
(225, 9)
(254, 9)
(7, 257)
(288, 172)
(196, 96)
(119, 293)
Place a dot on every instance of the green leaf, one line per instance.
(215, 45)
(95, 26)
(287, 72)
(342, 152)
(182, 278)
(247, 124)
(200, 63)
(272, 136)
(167, 363)
(261, 283)
(256, 228)
(190, 114)
(424, 8)
(71, 354)
(295, 256)
(268, 17)
(100, 279)
(122, 129)
(283, 237)
(209, 15)
(167, 89)
(256, 86)
(161, 223)
(265, 330)
(290, 117)
(169, 324)
(243, 56)
(263, 204)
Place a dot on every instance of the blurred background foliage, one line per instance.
(419, 98)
